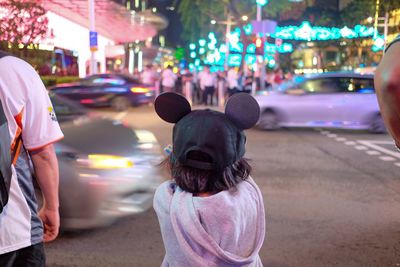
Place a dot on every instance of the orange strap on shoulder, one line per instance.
(17, 143)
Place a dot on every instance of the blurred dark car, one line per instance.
(107, 169)
(116, 90)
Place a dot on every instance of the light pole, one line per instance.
(227, 35)
(229, 22)
(92, 28)
(385, 23)
(260, 4)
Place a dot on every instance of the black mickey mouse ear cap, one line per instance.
(171, 107)
(215, 134)
(243, 110)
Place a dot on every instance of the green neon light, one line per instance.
(192, 46)
(306, 32)
(262, 2)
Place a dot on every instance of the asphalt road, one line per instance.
(332, 199)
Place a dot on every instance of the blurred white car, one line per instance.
(108, 170)
(329, 100)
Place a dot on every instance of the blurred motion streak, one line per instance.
(107, 169)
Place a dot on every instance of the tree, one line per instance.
(196, 14)
(359, 10)
(22, 22)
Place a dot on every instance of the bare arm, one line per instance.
(387, 85)
(46, 170)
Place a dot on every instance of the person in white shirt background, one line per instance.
(207, 84)
(149, 75)
(168, 79)
(233, 81)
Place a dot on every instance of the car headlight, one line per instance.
(140, 90)
(97, 161)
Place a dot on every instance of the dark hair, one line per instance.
(196, 181)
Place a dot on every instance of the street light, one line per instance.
(262, 2)
(213, 21)
(245, 18)
(377, 24)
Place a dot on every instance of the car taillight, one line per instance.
(140, 90)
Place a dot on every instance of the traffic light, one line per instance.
(259, 46)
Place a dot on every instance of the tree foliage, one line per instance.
(196, 14)
(359, 10)
(22, 21)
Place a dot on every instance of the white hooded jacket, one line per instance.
(225, 229)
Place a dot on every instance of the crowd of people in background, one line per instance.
(204, 84)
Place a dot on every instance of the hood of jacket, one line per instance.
(225, 229)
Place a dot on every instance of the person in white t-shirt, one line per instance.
(168, 79)
(233, 81)
(207, 85)
(149, 75)
(29, 115)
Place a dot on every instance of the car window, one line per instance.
(104, 80)
(286, 86)
(111, 80)
(356, 85)
(364, 85)
(65, 108)
(321, 86)
(130, 79)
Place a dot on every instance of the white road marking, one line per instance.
(372, 144)
(361, 147)
(373, 152)
(120, 115)
(365, 144)
(387, 158)
(350, 143)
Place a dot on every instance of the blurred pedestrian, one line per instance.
(187, 80)
(135, 74)
(248, 82)
(179, 83)
(233, 81)
(149, 75)
(28, 129)
(288, 76)
(277, 76)
(207, 84)
(212, 212)
(168, 80)
(387, 86)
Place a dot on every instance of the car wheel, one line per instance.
(377, 125)
(268, 121)
(120, 103)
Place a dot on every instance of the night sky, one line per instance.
(174, 29)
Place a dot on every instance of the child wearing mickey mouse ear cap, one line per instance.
(211, 212)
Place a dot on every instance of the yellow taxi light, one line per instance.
(140, 90)
(108, 162)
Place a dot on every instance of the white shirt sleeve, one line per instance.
(35, 114)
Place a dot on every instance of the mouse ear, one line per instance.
(171, 107)
(243, 110)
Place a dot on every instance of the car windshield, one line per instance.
(64, 107)
(286, 86)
